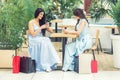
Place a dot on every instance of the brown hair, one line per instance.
(79, 12)
(43, 20)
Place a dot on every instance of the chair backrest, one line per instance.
(96, 38)
(95, 45)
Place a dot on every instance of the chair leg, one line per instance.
(100, 45)
(93, 51)
(93, 54)
(97, 49)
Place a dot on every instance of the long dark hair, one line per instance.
(79, 12)
(43, 20)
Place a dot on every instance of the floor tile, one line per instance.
(53, 75)
(8, 75)
(69, 75)
(83, 77)
(107, 75)
(76, 76)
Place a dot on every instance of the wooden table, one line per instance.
(62, 35)
(56, 21)
(112, 28)
(64, 40)
(67, 26)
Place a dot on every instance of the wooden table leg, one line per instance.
(64, 41)
(56, 39)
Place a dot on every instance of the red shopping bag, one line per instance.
(94, 65)
(16, 64)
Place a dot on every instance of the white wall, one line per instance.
(104, 35)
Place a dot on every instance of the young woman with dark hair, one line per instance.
(83, 40)
(42, 21)
(40, 47)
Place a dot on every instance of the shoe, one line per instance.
(48, 70)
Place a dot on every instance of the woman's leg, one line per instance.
(49, 55)
(69, 57)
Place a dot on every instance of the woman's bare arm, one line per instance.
(49, 29)
(82, 25)
(31, 29)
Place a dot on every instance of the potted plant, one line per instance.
(13, 22)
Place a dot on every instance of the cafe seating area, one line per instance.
(105, 60)
(100, 62)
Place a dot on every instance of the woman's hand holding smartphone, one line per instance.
(47, 24)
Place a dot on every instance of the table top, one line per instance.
(67, 26)
(111, 27)
(56, 21)
(63, 35)
(101, 25)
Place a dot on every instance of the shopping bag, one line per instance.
(85, 63)
(94, 65)
(82, 64)
(76, 64)
(16, 64)
(27, 65)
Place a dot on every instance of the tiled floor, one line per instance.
(60, 75)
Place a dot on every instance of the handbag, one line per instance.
(27, 65)
(76, 64)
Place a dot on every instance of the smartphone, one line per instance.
(47, 23)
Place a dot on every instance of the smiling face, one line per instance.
(40, 16)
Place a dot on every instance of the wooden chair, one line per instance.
(95, 45)
(85, 67)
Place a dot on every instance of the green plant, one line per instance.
(115, 14)
(59, 8)
(100, 8)
(15, 15)
(97, 9)
(67, 6)
(50, 9)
